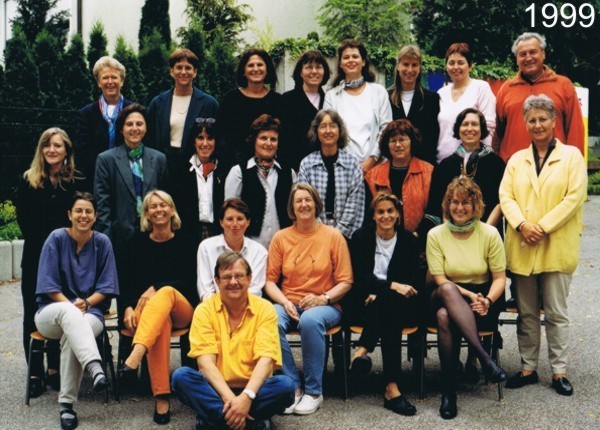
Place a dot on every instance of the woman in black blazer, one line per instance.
(387, 277)
(300, 106)
(411, 101)
(199, 188)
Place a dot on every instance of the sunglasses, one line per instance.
(204, 122)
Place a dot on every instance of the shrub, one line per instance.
(9, 229)
(594, 184)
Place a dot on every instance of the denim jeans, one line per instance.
(313, 324)
(194, 390)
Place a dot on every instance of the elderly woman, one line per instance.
(363, 104)
(234, 217)
(43, 199)
(402, 174)
(385, 258)
(462, 93)
(96, 127)
(255, 96)
(160, 294)
(262, 182)
(77, 279)
(301, 104)
(313, 263)
(411, 101)
(200, 189)
(172, 114)
(473, 159)
(542, 194)
(334, 173)
(467, 261)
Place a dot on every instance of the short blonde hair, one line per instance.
(313, 194)
(145, 224)
(106, 61)
(464, 186)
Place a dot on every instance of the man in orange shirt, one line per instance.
(235, 339)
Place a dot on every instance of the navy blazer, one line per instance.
(115, 192)
(91, 138)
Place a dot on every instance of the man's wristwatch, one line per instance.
(249, 393)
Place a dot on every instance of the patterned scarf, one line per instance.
(357, 83)
(469, 165)
(110, 120)
(466, 227)
(135, 158)
(264, 165)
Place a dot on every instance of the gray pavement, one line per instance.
(532, 407)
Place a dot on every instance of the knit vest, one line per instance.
(255, 196)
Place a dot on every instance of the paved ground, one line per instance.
(532, 407)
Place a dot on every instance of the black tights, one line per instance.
(455, 320)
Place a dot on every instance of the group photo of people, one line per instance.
(238, 222)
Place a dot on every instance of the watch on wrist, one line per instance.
(87, 304)
(328, 298)
(249, 393)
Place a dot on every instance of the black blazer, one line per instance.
(296, 116)
(423, 114)
(91, 138)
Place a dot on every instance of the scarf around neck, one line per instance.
(110, 120)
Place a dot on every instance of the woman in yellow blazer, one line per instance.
(541, 195)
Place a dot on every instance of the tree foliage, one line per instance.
(32, 17)
(74, 76)
(219, 18)
(154, 62)
(97, 46)
(134, 88)
(219, 72)
(48, 57)
(380, 23)
(155, 15)
(22, 89)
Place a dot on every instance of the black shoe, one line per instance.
(562, 386)
(162, 419)
(68, 419)
(100, 382)
(361, 365)
(471, 374)
(494, 373)
(400, 405)
(511, 303)
(258, 425)
(126, 372)
(448, 406)
(36, 387)
(518, 380)
(53, 380)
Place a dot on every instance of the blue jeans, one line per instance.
(313, 324)
(194, 390)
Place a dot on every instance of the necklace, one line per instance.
(186, 102)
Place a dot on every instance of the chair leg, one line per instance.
(27, 387)
(496, 343)
(343, 348)
(423, 347)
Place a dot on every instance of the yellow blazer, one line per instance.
(554, 200)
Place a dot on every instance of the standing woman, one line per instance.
(363, 105)
(542, 194)
(200, 189)
(462, 93)
(160, 293)
(385, 259)
(43, 199)
(411, 101)
(262, 182)
(172, 114)
(253, 98)
(466, 258)
(301, 104)
(334, 173)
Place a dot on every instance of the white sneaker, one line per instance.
(308, 405)
(290, 410)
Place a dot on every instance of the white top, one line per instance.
(314, 98)
(208, 252)
(478, 95)
(205, 187)
(365, 116)
(384, 250)
(407, 98)
(179, 109)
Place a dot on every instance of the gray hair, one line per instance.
(107, 61)
(542, 102)
(526, 36)
(313, 136)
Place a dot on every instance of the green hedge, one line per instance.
(9, 229)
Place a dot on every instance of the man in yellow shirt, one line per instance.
(235, 339)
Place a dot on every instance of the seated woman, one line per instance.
(385, 259)
(313, 263)
(335, 173)
(234, 216)
(462, 253)
(262, 182)
(77, 278)
(160, 297)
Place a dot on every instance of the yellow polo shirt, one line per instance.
(239, 350)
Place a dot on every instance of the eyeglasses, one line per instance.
(404, 140)
(462, 203)
(238, 278)
(203, 122)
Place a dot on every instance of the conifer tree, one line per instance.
(96, 50)
(48, 57)
(75, 77)
(134, 88)
(154, 63)
(155, 15)
(32, 17)
(22, 81)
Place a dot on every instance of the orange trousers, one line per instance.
(166, 309)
